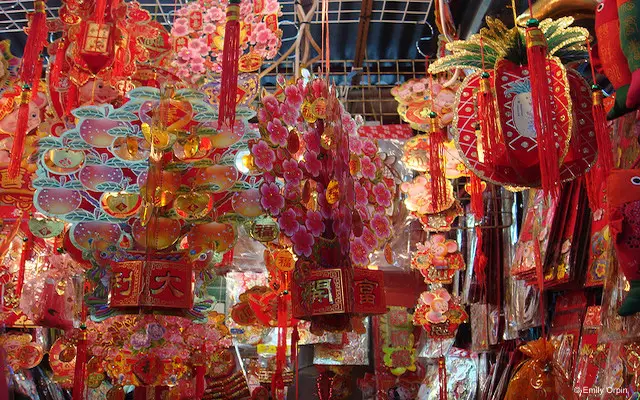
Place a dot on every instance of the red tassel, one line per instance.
(477, 197)
(295, 337)
(442, 372)
(437, 137)
(277, 384)
(20, 134)
(35, 85)
(4, 388)
(491, 136)
(200, 371)
(230, 57)
(542, 110)
(36, 40)
(81, 365)
(120, 61)
(72, 99)
(27, 248)
(480, 261)
(55, 73)
(605, 148)
(100, 10)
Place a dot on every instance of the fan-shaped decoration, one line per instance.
(515, 161)
(198, 36)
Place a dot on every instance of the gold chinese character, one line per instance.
(320, 290)
(366, 290)
(123, 283)
(167, 281)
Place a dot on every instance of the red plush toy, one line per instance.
(618, 36)
(623, 192)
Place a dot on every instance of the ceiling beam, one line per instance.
(361, 41)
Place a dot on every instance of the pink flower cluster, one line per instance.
(200, 25)
(291, 170)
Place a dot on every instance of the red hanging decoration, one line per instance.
(295, 337)
(100, 11)
(230, 57)
(542, 109)
(20, 134)
(72, 99)
(200, 382)
(56, 68)
(81, 365)
(121, 58)
(35, 84)
(277, 384)
(477, 197)
(437, 137)
(480, 262)
(489, 129)
(442, 374)
(27, 248)
(36, 40)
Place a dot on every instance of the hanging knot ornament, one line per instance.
(230, 58)
(437, 138)
(542, 109)
(438, 259)
(490, 135)
(439, 314)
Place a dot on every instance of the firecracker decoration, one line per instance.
(617, 52)
(439, 314)
(198, 37)
(505, 60)
(438, 259)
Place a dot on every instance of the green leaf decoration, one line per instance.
(79, 145)
(50, 143)
(190, 94)
(464, 60)
(210, 187)
(72, 134)
(569, 56)
(206, 162)
(552, 26)
(184, 189)
(144, 93)
(176, 166)
(109, 187)
(92, 159)
(205, 117)
(240, 186)
(75, 184)
(233, 218)
(43, 183)
(132, 189)
(122, 115)
(79, 216)
(89, 112)
(201, 108)
(571, 38)
(131, 106)
(120, 131)
(227, 159)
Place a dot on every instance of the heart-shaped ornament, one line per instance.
(120, 205)
(193, 205)
(45, 228)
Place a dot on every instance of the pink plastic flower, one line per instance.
(369, 148)
(278, 133)
(312, 141)
(288, 222)
(292, 191)
(362, 195)
(311, 163)
(208, 29)
(314, 223)
(293, 96)
(272, 105)
(369, 238)
(318, 87)
(302, 242)
(271, 200)
(289, 114)
(382, 194)
(263, 155)
(184, 54)
(180, 30)
(359, 252)
(368, 168)
(381, 226)
(355, 145)
(291, 172)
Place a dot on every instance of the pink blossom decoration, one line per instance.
(359, 252)
(302, 242)
(288, 222)
(381, 226)
(263, 155)
(368, 168)
(271, 200)
(314, 223)
(291, 172)
(382, 194)
(293, 96)
(278, 133)
(311, 164)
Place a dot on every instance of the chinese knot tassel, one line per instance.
(200, 372)
(295, 337)
(542, 109)
(20, 134)
(437, 137)
(230, 58)
(442, 374)
(35, 84)
(477, 197)
(36, 40)
(489, 129)
(277, 384)
(605, 148)
(72, 98)
(81, 365)
(55, 72)
(120, 61)
(100, 11)
(27, 248)
(4, 388)
(480, 261)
